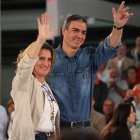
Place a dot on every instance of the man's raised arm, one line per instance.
(120, 19)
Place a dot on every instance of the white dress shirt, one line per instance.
(46, 124)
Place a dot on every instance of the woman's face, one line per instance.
(43, 65)
(132, 116)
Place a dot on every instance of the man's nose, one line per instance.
(80, 35)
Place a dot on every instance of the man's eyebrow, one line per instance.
(79, 29)
(75, 28)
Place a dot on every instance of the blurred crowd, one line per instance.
(6, 119)
(117, 82)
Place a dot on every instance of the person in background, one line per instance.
(10, 109)
(36, 114)
(117, 88)
(3, 122)
(10, 106)
(108, 109)
(103, 73)
(97, 119)
(73, 73)
(135, 52)
(136, 102)
(121, 61)
(135, 93)
(100, 94)
(117, 128)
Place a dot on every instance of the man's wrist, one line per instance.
(118, 28)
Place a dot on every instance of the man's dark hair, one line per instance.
(74, 18)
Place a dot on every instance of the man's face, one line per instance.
(74, 36)
(113, 75)
(43, 65)
(108, 107)
(122, 51)
(131, 74)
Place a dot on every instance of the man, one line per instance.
(98, 120)
(73, 73)
(117, 88)
(100, 93)
(108, 109)
(136, 102)
(121, 61)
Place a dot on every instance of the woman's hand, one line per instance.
(44, 27)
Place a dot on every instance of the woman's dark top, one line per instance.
(120, 134)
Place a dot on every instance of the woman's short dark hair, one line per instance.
(74, 18)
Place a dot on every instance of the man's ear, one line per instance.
(63, 30)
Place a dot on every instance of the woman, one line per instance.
(36, 110)
(117, 128)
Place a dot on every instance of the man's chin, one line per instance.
(75, 47)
